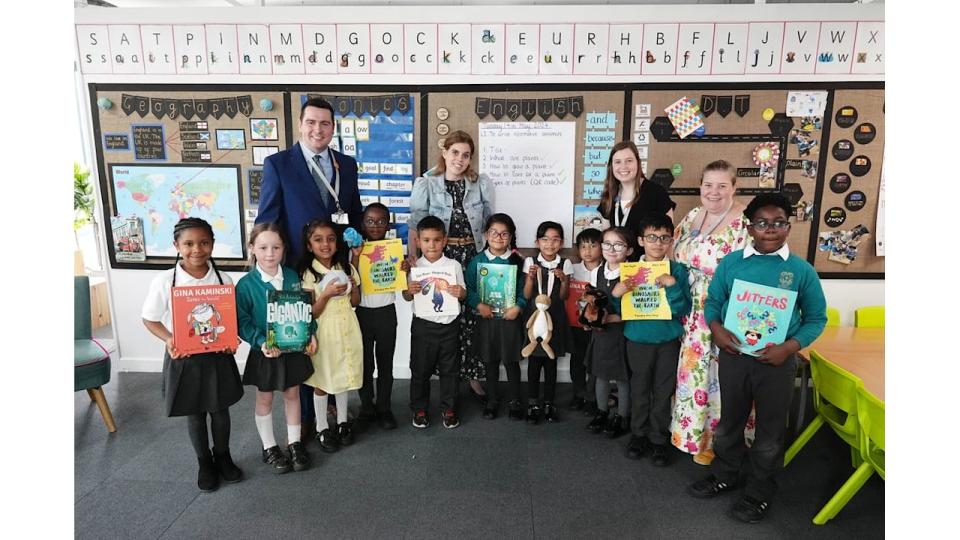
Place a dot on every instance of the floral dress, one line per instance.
(471, 367)
(696, 409)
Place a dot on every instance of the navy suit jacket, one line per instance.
(290, 196)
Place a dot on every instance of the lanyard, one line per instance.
(617, 212)
(336, 178)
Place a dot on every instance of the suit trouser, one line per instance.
(578, 370)
(745, 382)
(434, 346)
(378, 327)
(653, 380)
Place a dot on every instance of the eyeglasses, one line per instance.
(375, 222)
(664, 238)
(550, 239)
(616, 248)
(762, 225)
(505, 235)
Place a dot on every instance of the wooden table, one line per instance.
(857, 350)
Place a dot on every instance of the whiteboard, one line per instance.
(531, 165)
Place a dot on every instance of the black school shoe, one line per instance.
(615, 427)
(708, 487)
(637, 447)
(516, 410)
(386, 420)
(661, 455)
(599, 421)
(490, 411)
(749, 510)
(550, 412)
(299, 457)
(345, 433)
(228, 470)
(364, 420)
(277, 461)
(328, 441)
(208, 479)
(533, 414)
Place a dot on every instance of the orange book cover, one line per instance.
(204, 318)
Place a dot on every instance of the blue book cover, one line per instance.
(758, 315)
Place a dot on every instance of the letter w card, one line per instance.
(758, 315)
(289, 314)
(646, 301)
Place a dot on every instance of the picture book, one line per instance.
(204, 318)
(289, 314)
(497, 285)
(758, 315)
(380, 267)
(433, 300)
(646, 301)
(128, 239)
(575, 290)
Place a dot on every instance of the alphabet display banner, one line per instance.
(360, 106)
(529, 108)
(186, 108)
(763, 47)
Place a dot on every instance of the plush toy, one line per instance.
(540, 328)
(595, 305)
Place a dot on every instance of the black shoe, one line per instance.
(590, 409)
(228, 470)
(516, 410)
(550, 412)
(708, 488)
(578, 404)
(386, 420)
(599, 420)
(420, 420)
(328, 441)
(490, 411)
(615, 427)
(299, 457)
(364, 420)
(278, 462)
(345, 433)
(208, 478)
(661, 455)
(533, 414)
(450, 419)
(749, 510)
(637, 447)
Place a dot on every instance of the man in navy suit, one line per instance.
(309, 181)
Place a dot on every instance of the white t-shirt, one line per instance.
(157, 307)
(580, 273)
(549, 265)
(422, 262)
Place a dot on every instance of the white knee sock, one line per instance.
(320, 404)
(293, 433)
(341, 407)
(265, 429)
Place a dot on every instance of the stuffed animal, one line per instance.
(595, 305)
(540, 328)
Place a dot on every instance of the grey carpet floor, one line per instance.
(485, 479)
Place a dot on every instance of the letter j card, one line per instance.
(758, 315)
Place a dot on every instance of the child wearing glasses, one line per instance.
(765, 380)
(653, 346)
(547, 274)
(606, 355)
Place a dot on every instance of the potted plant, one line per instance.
(83, 208)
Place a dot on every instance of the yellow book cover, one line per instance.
(646, 301)
(380, 267)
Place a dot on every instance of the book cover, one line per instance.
(434, 301)
(380, 267)
(204, 318)
(289, 314)
(575, 290)
(128, 239)
(497, 286)
(758, 315)
(646, 301)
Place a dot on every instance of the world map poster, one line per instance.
(164, 194)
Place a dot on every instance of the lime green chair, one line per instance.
(835, 402)
(869, 317)
(871, 414)
(833, 316)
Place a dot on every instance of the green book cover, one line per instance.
(497, 285)
(288, 320)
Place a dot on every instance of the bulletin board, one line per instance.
(167, 152)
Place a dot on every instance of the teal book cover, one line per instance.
(758, 315)
(288, 320)
(497, 286)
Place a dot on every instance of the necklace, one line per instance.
(696, 232)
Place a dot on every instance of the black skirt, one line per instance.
(606, 356)
(274, 374)
(498, 340)
(200, 383)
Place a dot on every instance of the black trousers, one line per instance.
(744, 382)
(434, 346)
(549, 378)
(379, 329)
(578, 369)
(653, 380)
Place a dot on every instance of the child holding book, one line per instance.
(434, 338)
(766, 378)
(548, 274)
(499, 336)
(338, 360)
(653, 345)
(606, 354)
(198, 384)
(267, 368)
(585, 271)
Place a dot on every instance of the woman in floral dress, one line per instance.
(707, 234)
